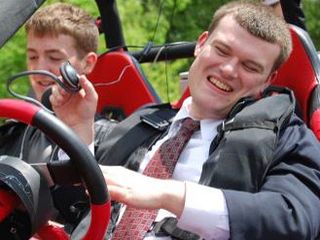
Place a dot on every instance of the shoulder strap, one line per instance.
(168, 226)
(246, 143)
(134, 131)
(278, 104)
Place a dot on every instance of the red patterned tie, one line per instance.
(136, 222)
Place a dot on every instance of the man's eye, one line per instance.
(56, 59)
(250, 68)
(221, 52)
(32, 57)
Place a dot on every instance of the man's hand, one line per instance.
(137, 190)
(77, 110)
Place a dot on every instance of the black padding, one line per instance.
(33, 192)
(86, 164)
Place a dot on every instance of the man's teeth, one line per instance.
(220, 85)
(45, 84)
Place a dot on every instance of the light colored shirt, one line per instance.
(205, 212)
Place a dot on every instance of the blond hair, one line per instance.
(260, 21)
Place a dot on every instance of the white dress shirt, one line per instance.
(205, 212)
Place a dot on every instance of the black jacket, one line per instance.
(280, 200)
(20, 140)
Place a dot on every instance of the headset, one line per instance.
(69, 81)
(70, 77)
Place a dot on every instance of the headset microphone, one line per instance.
(45, 99)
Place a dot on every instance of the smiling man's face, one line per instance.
(230, 64)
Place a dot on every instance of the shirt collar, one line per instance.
(207, 126)
(184, 110)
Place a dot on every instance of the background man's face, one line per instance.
(48, 53)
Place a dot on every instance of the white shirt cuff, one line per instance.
(63, 156)
(205, 212)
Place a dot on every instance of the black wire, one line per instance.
(166, 76)
(173, 12)
(150, 45)
(33, 72)
(158, 20)
(166, 61)
(123, 47)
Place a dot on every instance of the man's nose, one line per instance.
(229, 68)
(41, 64)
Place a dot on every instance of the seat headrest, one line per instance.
(301, 72)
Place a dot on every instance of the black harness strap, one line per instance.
(134, 131)
(168, 226)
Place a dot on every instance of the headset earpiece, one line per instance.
(69, 82)
(70, 77)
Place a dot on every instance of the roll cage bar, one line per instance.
(115, 40)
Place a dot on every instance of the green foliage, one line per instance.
(311, 10)
(142, 24)
(158, 21)
(191, 21)
(12, 60)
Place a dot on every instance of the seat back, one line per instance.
(121, 85)
(301, 73)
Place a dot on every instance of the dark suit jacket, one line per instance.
(287, 205)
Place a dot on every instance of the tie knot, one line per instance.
(190, 124)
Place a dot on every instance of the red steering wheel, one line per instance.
(82, 160)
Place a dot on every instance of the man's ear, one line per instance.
(201, 41)
(269, 80)
(89, 62)
(272, 77)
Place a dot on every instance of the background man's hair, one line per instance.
(62, 18)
